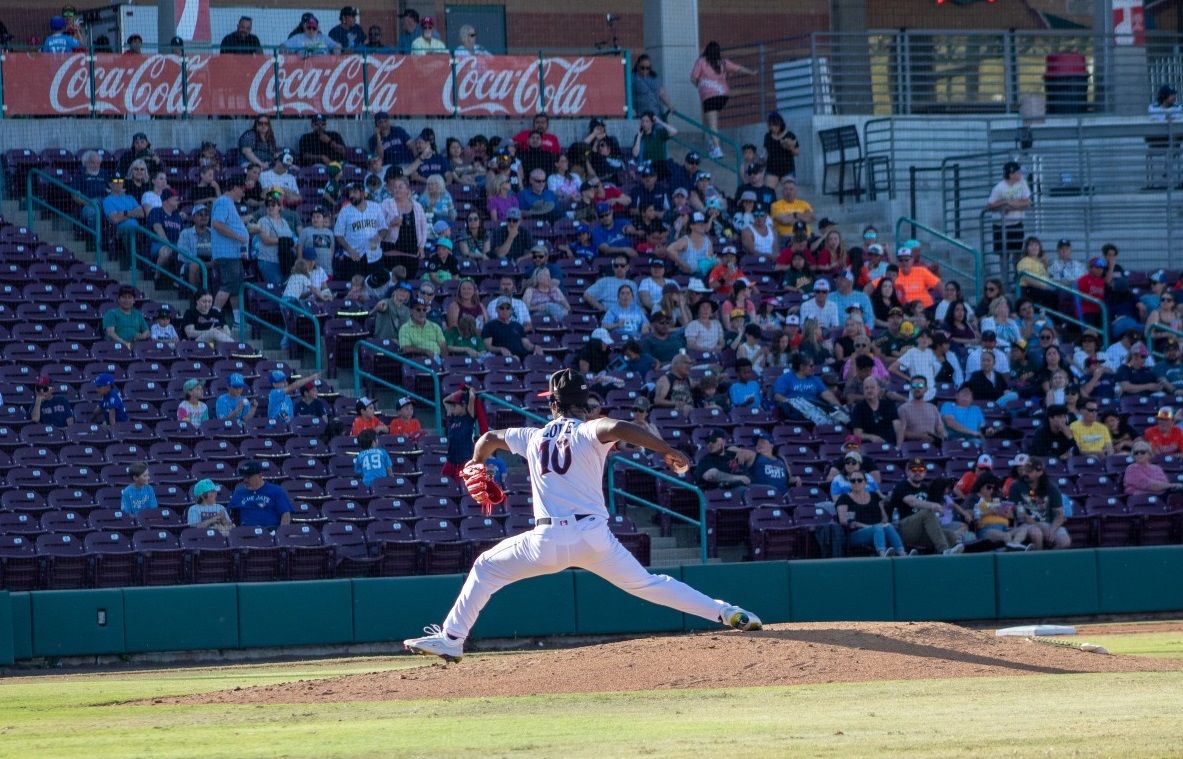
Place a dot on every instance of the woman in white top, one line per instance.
(270, 230)
(758, 237)
(151, 198)
(565, 183)
(1005, 326)
(300, 284)
(705, 334)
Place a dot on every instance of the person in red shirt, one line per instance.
(965, 485)
(1164, 437)
(367, 418)
(1092, 284)
(404, 423)
(725, 273)
(550, 143)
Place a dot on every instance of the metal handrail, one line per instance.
(358, 374)
(976, 275)
(245, 316)
(1160, 327)
(151, 262)
(34, 202)
(737, 168)
(614, 492)
(1077, 297)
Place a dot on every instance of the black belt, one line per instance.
(548, 520)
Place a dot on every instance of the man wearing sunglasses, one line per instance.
(920, 523)
(604, 293)
(919, 419)
(1040, 506)
(1091, 436)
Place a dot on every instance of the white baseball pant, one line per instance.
(586, 543)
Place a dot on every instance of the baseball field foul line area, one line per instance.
(1047, 700)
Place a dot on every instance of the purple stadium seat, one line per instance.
(773, 534)
(65, 522)
(19, 523)
(352, 555)
(114, 560)
(635, 542)
(209, 555)
(400, 550)
(306, 555)
(481, 532)
(161, 556)
(20, 568)
(259, 557)
(64, 560)
(444, 551)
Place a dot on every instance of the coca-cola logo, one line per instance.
(510, 86)
(568, 96)
(125, 84)
(320, 84)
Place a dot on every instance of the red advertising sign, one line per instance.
(42, 84)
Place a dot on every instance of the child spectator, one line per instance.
(316, 242)
(367, 418)
(162, 329)
(139, 495)
(279, 401)
(310, 404)
(404, 423)
(233, 404)
(372, 461)
(207, 512)
(192, 409)
(110, 408)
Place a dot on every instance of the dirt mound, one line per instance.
(789, 654)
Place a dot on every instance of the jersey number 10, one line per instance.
(555, 459)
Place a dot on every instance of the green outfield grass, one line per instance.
(1070, 715)
(1164, 645)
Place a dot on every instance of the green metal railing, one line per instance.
(1160, 327)
(1077, 297)
(150, 262)
(33, 203)
(615, 491)
(976, 276)
(359, 374)
(244, 316)
(736, 167)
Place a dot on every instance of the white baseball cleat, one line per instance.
(733, 616)
(436, 643)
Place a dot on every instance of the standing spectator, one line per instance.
(316, 240)
(427, 42)
(139, 495)
(540, 125)
(374, 42)
(125, 323)
(781, 148)
(648, 90)
(919, 419)
(1145, 478)
(50, 405)
(1039, 507)
(348, 34)
(1166, 105)
(650, 142)
(259, 503)
(166, 223)
(920, 523)
(919, 361)
(110, 408)
(307, 39)
(321, 146)
(207, 512)
(1010, 199)
(360, 229)
(372, 461)
(276, 243)
(408, 29)
(59, 41)
(228, 242)
(790, 209)
(193, 409)
(234, 404)
(459, 428)
(407, 231)
(468, 46)
(709, 75)
(915, 282)
(437, 204)
(205, 323)
(241, 41)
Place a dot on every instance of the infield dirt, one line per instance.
(782, 654)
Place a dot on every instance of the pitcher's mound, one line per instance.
(783, 654)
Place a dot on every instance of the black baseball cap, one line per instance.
(567, 387)
(249, 468)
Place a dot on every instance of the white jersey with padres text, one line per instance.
(566, 463)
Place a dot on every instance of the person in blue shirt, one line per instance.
(259, 503)
(769, 469)
(50, 405)
(745, 390)
(459, 427)
(139, 495)
(59, 41)
(372, 461)
(800, 383)
(110, 408)
(279, 400)
(963, 419)
(611, 236)
(123, 211)
(228, 240)
(581, 247)
(538, 201)
(392, 142)
(233, 404)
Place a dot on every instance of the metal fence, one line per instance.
(923, 71)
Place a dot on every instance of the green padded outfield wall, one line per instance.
(330, 612)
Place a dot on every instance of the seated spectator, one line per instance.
(963, 419)
(258, 503)
(919, 419)
(310, 404)
(745, 390)
(192, 408)
(320, 145)
(1091, 435)
(234, 404)
(915, 282)
(420, 336)
(279, 403)
(110, 408)
(367, 418)
(861, 513)
(990, 517)
(404, 423)
(1053, 439)
(141, 150)
(674, 389)
(122, 210)
(207, 512)
(1039, 507)
(506, 337)
(465, 339)
(853, 462)
(436, 200)
(90, 187)
(1164, 437)
(204, 323)
(1120, 431)
(875, 418)
(501, 199)
(605, 291)
(1145, 478)
(988, 384)
(536, 200)
(705, 334)
(372, 462)
(257, 145)
(720, 466)
(544, 297)
(472, 241)
(1136, 377)
(125, 323)
(965, 485)
(626, 319)
(920, 523)
(162, 330)
(300, 285)
(139, 495)
(50, 406)
(507, 290)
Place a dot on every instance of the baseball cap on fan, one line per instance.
(567, 387)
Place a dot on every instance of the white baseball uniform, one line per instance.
(566, 463)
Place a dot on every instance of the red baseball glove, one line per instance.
(481, 486)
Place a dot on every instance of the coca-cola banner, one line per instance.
(41, 84)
